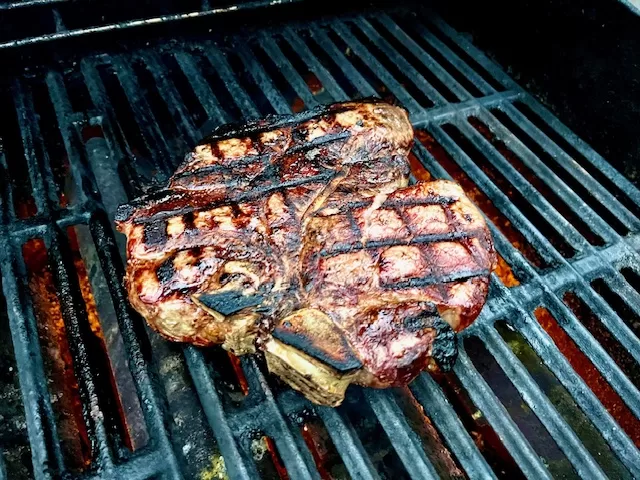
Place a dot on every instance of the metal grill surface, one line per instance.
(549, 388)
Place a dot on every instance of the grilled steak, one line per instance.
(299, 236)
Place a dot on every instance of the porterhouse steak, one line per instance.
(300, 237)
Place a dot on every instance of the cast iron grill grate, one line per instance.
(546, 383)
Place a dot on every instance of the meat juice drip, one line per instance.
(58, 363)
(590, 374)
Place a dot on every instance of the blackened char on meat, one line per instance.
(299, 236)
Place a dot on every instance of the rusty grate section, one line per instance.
(547, 380)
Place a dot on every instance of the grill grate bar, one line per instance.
(496, 414)
(585, 398)
(346, 440)
(569, 165)
(238, 94)
(382, 73)
(241, 467)
(596, 223)
(357, 80)
(200, 86)
(557, 221)
(328, 82)
(419, 81)
(499, 199)
(439, 410)
(405, 441)
(426, 59)
(298, 460)
(479, 82)
(171, 98)
(591, 155)
(569, 443)
(283, 64)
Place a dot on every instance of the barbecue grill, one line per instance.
(546, 384)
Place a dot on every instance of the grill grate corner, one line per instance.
(87, 136)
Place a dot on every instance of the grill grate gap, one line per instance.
(433, 53)
(590, 374)
(248, 84)
(406, 80)
(618, 304)
(419, 25)
(508, 189)
(537, 183)
(58, 364)
(564, 144)
(589, 319)
(192, 104)
(482, 201)
(562, 401)
(362, 67)
(526, 420)
(324, 452)
(632, 277)
(572, 183)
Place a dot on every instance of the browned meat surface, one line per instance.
(300, 237)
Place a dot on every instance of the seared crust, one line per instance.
(300, 236)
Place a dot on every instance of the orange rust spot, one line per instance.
(63, 385)
(237, 369)
(275, 458)
(418, 170)
(297, 105)
(505, 273)
(480, 199)
(590, 374)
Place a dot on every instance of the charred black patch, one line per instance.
(188, 220)
(155, 233)
(340, 357)
(230, 302)
(420, 322)
(166, 271)
(316, 142)
(445, 346)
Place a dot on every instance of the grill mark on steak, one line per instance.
(338, 249)
(155, 233)
(166, 271)
(460, 276)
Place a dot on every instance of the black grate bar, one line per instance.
(226, 74)
(570, 166)
(241, 467)
(347, 443)
(376, 67)
(591, 155)
(596, 223)
(143, 466)
(598, 356)
(328, 82)
(144, 376)
(496, 72)
(262, 79)
(200, 86)
(419, 81)
(565, 437)
(298, 461)
(3, 468)
(356, 79)
(619, 442)
(499, 199)
(292, 75)
(143, 114)
(171, 97)
(482, 396)
(479, 82)
(426, 59)
(541, 204)
(404, 440)
(438, 409)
